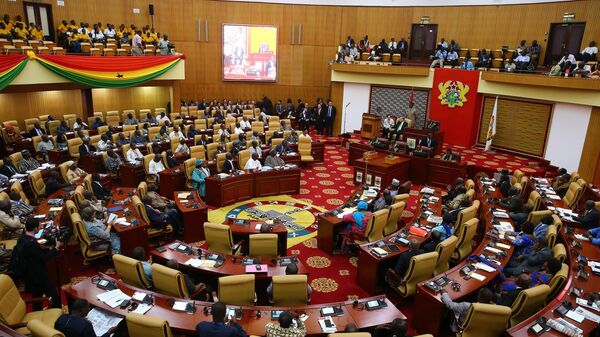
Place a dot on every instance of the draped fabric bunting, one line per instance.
(10, 67)
(108, 71)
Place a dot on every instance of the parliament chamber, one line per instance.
(299, 168)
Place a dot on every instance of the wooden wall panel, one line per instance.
(521, 126)
(20, 106)
(130, 98)
(588, 165)
(303, 68)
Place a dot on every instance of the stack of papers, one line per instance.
(435, 219)
(427, 190)
(113, 298)
(180, 306)
(587, 314)
(484, 267)
(327, 325)
(346, 211)
(477, 276)
(198, 263)
(183, 195)
(142, 308)
(501, 215)
(102, 321)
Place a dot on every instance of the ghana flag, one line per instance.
(109, 71)
(10, 67)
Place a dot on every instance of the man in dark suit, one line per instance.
(429, 142)
(35, 257)
(434, 239)
(8, 169)
(401, 124)
(279, 108)
(591, 217)
(99, 191)
(161, 219)
(36, 130)
(267, 105)
(330, 112)
(404, 258)
(218, 327)
(283, 148)
(86, 147)
(531, 262)
(319, 116)
(228, 166)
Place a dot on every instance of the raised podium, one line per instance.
(371, 126)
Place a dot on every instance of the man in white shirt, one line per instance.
(238, 129)
(253, 163)
(443, 43)
(223, 131)
(245, 124)
(136, 44)
(440, 56)
(182, 147)
(109, 32)
(522, 61)
(162, 118)
(590, 52)
(134, 155)
(452, 58)
(304, 134)
(104, 143)
(175, 134)
(156, 165)
(44, 146)
(393, 45)
(388, 124)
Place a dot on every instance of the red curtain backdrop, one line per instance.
(460, 123)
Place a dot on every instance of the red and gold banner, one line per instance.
(456, 104)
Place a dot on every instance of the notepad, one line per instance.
(55, 209)
(501, 215)
(484, 267)
(180, 306)
(142, 308)
(193, 262)
(502, 245)
(575, 316)
(183, 195)
(477, 276)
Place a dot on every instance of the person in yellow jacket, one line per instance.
(4, 32)
(20, 32)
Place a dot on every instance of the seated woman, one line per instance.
(75, 173)
(199, 175)
(356, 225)
(97, 230)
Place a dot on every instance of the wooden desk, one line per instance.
(193, 217)
(92, 163)
(56, 156)
(229, 190)
(370, 126)
(171, 180)
(372, 267)
(243, 232)
(591, 285)
(231, 266)
(186, 323)
(134, 235)
(131, 175)
(377, 172)
(420, 133)
(429, 309)
(277, 182)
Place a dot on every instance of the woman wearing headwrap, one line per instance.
(356, 224)
(12, 135)
(199, 175)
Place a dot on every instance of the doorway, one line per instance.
(422, 41)
(40, 14)
(564, 38)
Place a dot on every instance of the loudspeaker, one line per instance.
(151, 9)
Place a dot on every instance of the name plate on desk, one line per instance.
(391, 160)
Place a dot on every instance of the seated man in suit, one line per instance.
(562, 185)
(53, 185)
(218, 327)
(283, 148)
(429, 142)
(590, 217)
(449, 156)
(98, 189)
(530, 262)
(401, 124)
(519, 218)
(160, 219)
(228, 165)
(513, 202)
(404, 258)
(8, 169)
(86, 147)
(36, 130)
(433, 241)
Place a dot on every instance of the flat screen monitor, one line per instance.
(249, 53)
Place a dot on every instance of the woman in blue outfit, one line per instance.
(199, 175)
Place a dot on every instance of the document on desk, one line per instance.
(501, 215)
(55, 209)
(327, 325)
(180, 306)
(484, 267)
(477, 276)
(102, 320)
(493, 250)
(583, 303)
(581, 237)
(183, 195)
(113, 298)
(553, 196)
(193, 262)
(142, 308)
(587, 314)
(575, 316)
(502, 245)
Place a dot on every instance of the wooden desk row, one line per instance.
(235, 188)
(252, 322)
(429, 309)
(430, 171)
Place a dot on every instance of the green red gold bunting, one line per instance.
(10, 67)
(92, 71)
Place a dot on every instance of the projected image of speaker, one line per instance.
(249, 53)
